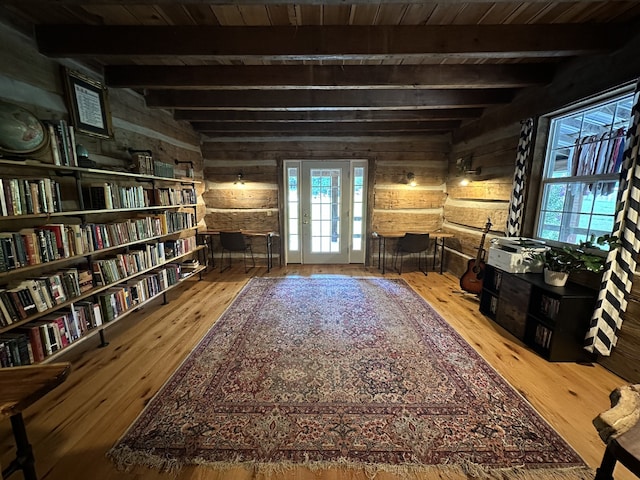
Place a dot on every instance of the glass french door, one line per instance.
(325, 207)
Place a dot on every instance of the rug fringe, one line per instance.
(125, 459)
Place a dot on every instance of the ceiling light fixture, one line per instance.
(239, 179)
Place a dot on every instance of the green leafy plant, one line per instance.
(579, 258)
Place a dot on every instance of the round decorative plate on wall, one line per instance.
(20, 130)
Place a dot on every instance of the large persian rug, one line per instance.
(336, 371)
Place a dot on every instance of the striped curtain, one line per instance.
(516, 204)
(621, 262)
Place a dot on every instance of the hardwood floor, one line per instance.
(73, 426)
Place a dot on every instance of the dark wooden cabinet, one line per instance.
(552, 321)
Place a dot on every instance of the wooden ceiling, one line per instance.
(355, 68)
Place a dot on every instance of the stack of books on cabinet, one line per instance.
(61, 282)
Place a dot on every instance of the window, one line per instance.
(582, 171)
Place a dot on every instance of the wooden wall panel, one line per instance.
(242, 220)
(408, 198)
(625, 358)
(241, 198)
(482, 190)
(487, 196)
(392, 203)
(428, 173)
(475, 214)
(258, 171)
(402, 221)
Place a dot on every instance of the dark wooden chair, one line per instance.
(235, 242)
(409, 244)
(619, 428)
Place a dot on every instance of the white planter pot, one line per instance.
(557, 279)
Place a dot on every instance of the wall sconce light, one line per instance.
(239, 179)
(468, 175)
(411, 179)
(463, 166)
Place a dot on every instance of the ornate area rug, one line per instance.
(339, 371)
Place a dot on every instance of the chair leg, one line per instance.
(222, 267)
(425, 262)
(244, 256)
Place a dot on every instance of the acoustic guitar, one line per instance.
(471, 280)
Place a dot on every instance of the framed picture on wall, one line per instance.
(88, 104)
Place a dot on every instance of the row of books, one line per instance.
(123, 265)
(162, 169)
(145, 165)
(27, 196)
(63, 142)
(174, 196)
(109, 196)
(117, 300)
(32, 246)
(549, 306)
(543, 336)
(34, 341)
(42, 293)
(45, 292)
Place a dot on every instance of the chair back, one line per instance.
(414, 242)
(233, 241)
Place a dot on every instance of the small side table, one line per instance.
(19, 388)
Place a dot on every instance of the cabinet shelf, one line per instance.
(552, 321)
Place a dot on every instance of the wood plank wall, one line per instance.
(392, 203)
(35, 82)
(584, 78)
(468, 208)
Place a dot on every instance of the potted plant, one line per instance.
(559, 262)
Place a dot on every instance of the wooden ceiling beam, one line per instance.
(325, 99)
(302, 127)
(442, 3)
(328, 77)
(329, 42)
(327, 116)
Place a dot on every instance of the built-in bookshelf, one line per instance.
(84, 249)
(551, 320)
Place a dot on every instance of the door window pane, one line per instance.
(293, 208)
(325, 210)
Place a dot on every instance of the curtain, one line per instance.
(516, 204)
(621, 262)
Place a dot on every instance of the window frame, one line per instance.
(541, 165)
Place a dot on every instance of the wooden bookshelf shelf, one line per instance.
(43, 310)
